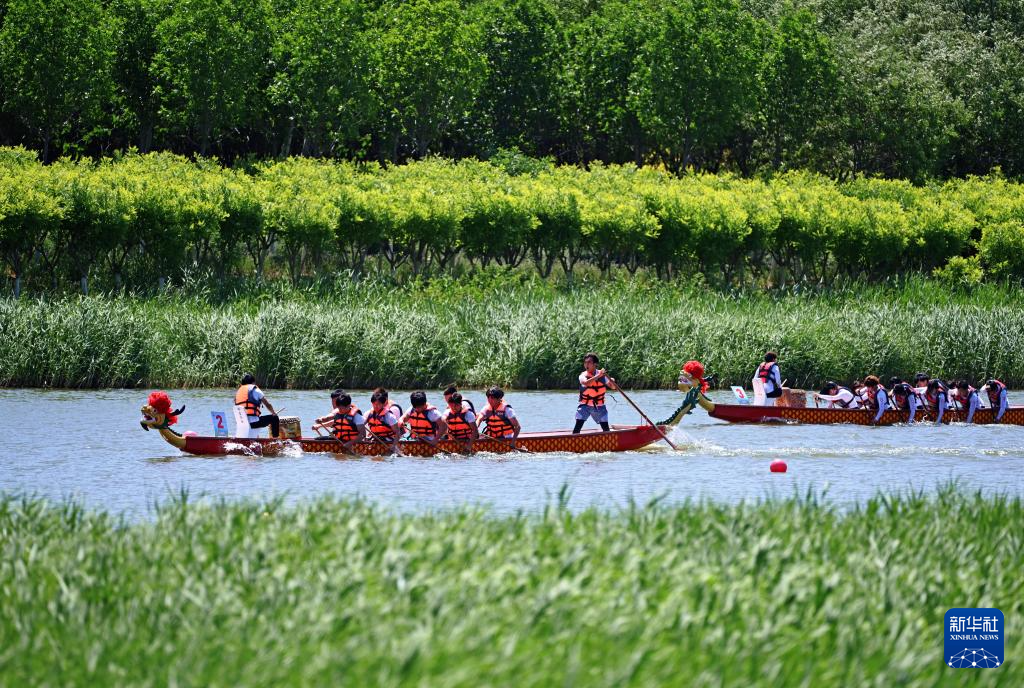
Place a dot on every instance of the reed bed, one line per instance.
(330, 592)
(519, 336)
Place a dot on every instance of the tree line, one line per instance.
(909, 88)
(136, 220)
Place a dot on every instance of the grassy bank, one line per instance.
(528, 336)
(782, 593)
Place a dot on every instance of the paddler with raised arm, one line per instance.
(345, 422)
(382, 421)
(594, 384)
(424, 421)
(250, 397)
(997, 399)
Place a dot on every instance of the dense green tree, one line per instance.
(599, 116)
(211, 61)
(321, 75)
(518, 103)
(995, 101)
(696, 79)
(55, 58)
(800, 78)
(135, 49)
(895, 117)
(428, 68)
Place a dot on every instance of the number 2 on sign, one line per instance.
(220, 426)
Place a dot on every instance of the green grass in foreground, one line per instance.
(523, 335)
(343, 593)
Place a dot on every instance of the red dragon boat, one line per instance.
(620, 438)
(791, 408)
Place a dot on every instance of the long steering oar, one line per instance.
(644, 416)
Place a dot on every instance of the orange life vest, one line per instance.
(592, 393)
(458, 427)
(498, 424)
(993, 393)
(375, 424)
(420, 425)
(345, 428)
(243, 398)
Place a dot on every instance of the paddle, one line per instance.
(644, 416)
(395, 448)
(510, 443)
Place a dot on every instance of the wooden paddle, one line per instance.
(644, 416)
(510, 443)
(369, 433)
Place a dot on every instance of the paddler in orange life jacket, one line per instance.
(499, 418)
(996, 392)
(250, 397)
(968, 399)
(903, 397)
(594, 384)
(425, 421)
(768, 373)
(878, 398)
(461, 421)
(345, 422)
(452, 389)
(936, 396)
(382, 421)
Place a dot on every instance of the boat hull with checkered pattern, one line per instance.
(746, 413)
(620, 438)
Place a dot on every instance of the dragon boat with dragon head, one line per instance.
(156, 415)
(792, 407)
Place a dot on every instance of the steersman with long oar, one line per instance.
(594, 384)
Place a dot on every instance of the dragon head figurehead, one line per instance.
(157, 413)
(692, 383)
(692, 375)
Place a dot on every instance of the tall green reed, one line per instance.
(786, 592)
(530, 336)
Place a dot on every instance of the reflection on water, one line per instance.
(89, 445)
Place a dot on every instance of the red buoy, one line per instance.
(190, 433)
(778, 466)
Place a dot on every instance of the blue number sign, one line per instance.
(220, 423)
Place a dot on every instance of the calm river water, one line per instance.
(88, 445)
